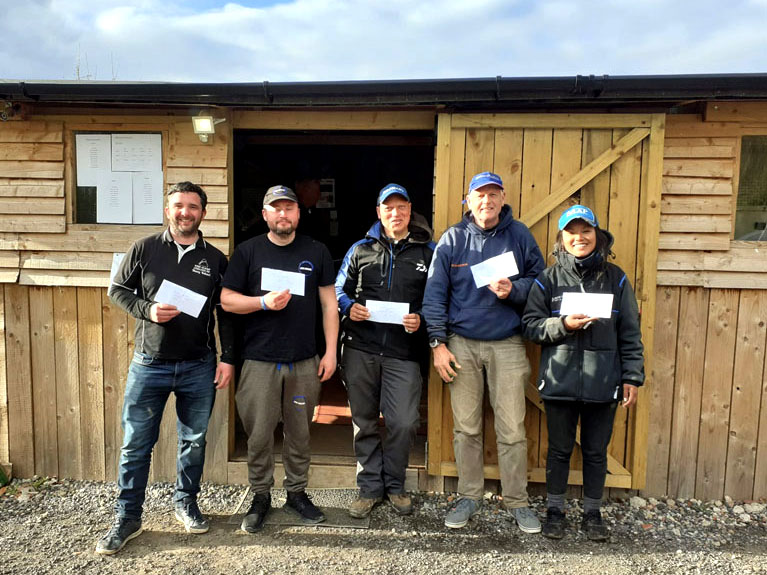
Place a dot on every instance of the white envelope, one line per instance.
(589, 304)
(387, 311)
(278, 280)
(495, 268)
(184, 299)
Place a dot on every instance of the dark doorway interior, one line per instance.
(348, 169)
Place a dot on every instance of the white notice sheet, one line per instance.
(117, 259)
(114, 198)
(147, 197)
(495, 268)
(94, 156)
(387, 311)
(278, 280)
(184, 299)
(589, 304)
(136, 153)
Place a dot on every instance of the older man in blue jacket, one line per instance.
(479, 278)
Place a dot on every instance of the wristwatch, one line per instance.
(434, 342)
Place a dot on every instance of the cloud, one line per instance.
(312, 40)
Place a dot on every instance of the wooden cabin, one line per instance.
(670, 164)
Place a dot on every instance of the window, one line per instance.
(751, 211)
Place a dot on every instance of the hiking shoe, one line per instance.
(526, 519)
(362, 506)
(401, 502)
(256, 515)
(593, 527)
(556, 522)
(460, 512)
(189, 515)
(300, 503)
(122, 531)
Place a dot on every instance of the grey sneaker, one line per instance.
(189, 515)
(122, 531)
(460, 512)
(526, 519)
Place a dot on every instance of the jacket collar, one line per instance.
(168, 239)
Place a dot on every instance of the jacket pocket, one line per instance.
(560, 374)
(601, 373)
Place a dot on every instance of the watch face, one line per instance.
(434, 343)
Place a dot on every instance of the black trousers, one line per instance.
(392, 387)
(596, 429)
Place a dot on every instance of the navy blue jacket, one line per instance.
(376, 269)
(453, 303)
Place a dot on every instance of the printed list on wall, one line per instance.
(126, 172)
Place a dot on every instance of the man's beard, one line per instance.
(179, 231)
(282, 231)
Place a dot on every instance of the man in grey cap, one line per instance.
(275, 280)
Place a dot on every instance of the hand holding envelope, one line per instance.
(276, 300)
(580, 309)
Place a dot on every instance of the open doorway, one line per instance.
(339, 174)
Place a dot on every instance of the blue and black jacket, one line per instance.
(454, 304)
(587, 364)
(376, 268)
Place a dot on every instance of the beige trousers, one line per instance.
(505, 367)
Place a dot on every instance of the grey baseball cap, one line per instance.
(279, 193)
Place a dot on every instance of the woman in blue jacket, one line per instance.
(588, 364)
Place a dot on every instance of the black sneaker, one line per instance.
(300, 503)
(256, 515)
(593, 527)
(122, 531)
(193, 521)
(555, 524)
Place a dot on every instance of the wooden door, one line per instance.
(610, 162)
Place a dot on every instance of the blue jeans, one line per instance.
(150, 382)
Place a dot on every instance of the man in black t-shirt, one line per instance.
(281, 374)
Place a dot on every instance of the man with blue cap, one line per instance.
(380, 359)
(480, 275)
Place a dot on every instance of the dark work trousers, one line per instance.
(392, 387)
(596, 429)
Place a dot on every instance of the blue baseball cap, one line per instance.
(485, 179)
(578, 212)
(390, 190)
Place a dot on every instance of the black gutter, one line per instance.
(485, 92)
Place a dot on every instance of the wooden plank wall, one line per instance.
(700, 176)
(39, 242)
(708, 408)
(65, 349)
(68, 351)
(707, 434)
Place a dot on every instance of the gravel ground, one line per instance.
(49, 526)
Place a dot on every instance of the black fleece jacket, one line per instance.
(587, 364)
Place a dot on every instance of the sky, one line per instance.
(335, 40)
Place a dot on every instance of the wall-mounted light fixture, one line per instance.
(205, 126)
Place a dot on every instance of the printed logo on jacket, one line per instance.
(202, 268)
